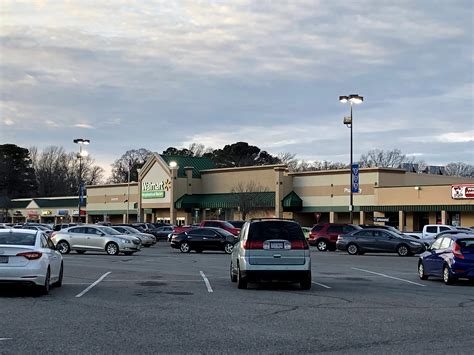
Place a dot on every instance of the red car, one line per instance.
(324, 236)
(221, 224)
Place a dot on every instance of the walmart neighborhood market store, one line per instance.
(186, 190)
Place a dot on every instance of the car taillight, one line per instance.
(299, 244)
(31, 255)
(457, 251)
(253, 244)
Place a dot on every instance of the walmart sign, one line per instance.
(155, 190)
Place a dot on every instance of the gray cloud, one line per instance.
(164, 73)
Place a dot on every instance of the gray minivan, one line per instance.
(271, 249)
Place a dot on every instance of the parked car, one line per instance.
(164, 232)
(220, 224)
(204, 238)
(237, 224)
(324, 236)
(29, 257)
(38, 228)
(430, 230)
(378, 241)
(91, 237)
(146, 239)
(58, 227)
(271, 250)
(450, 257)
(430, 240)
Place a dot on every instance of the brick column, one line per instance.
(444, 217)
(332, 217)
(401, 221)
(174, 174)
(361, 217)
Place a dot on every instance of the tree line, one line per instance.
(55, 172)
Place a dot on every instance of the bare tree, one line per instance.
(57, 171)
(199, 150)
(132, 159)
(247, 198)
(382, 158)
(459, 169)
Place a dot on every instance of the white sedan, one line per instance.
(29, 257)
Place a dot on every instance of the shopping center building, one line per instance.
(184, 190)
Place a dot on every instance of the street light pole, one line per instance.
(352, 99)
(82, 153)
(128, 190)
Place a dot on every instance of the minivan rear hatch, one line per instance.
(276, 243)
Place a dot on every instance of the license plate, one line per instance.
(276, 245)
(3, 259)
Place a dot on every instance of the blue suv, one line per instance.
(451, 257)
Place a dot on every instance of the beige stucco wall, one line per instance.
(111, 197)
(333, 189)
(402, 178)
(426, 195)
(224, 180)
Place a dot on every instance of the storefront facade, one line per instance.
(185, 190)
(53, 210)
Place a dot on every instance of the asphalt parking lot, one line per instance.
(162, 301)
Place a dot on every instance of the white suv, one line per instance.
(271, 249)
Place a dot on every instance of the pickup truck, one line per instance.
(427, 235)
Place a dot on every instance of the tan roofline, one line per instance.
(132, 183)
(43, 198)
(239, 168)
(345, 171)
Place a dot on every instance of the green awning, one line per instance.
(419, 208)
(292, 202)
(227, 200)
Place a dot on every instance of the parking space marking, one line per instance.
(3, 339)
(322, 285)
(206, 281)
(390, 277)
(94, 284)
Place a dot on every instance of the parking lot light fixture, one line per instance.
(82, 154)
(348, 121)
(173, 164)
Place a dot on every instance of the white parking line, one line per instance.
(2, 339)
(390, 277)
(206, 281)
(95, 283)
(317, 283)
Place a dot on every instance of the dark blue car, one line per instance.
(450, 257)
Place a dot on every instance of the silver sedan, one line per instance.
(29, 257)
(147, 239)
(90, 237)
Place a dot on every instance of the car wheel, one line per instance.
(59, 283)
(63, 247)
(112, 249)
(80, 251)
(322, 245)
(352, 249)
(233, 277)
(306, 283)
(447, 278)
(421, 271)
(228, 247)
(45, 288)
(184, 247)
(403, 250)
(241, 281)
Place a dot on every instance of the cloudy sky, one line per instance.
(154, 74)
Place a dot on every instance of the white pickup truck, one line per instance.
(430, 231)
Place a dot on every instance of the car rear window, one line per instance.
(317, 228)
(16, 238)
(466, 243)
(263, 231)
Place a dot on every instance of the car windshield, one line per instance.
(108, 230)
(131, 229)
(17, 238)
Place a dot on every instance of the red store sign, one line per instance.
(462, 191)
